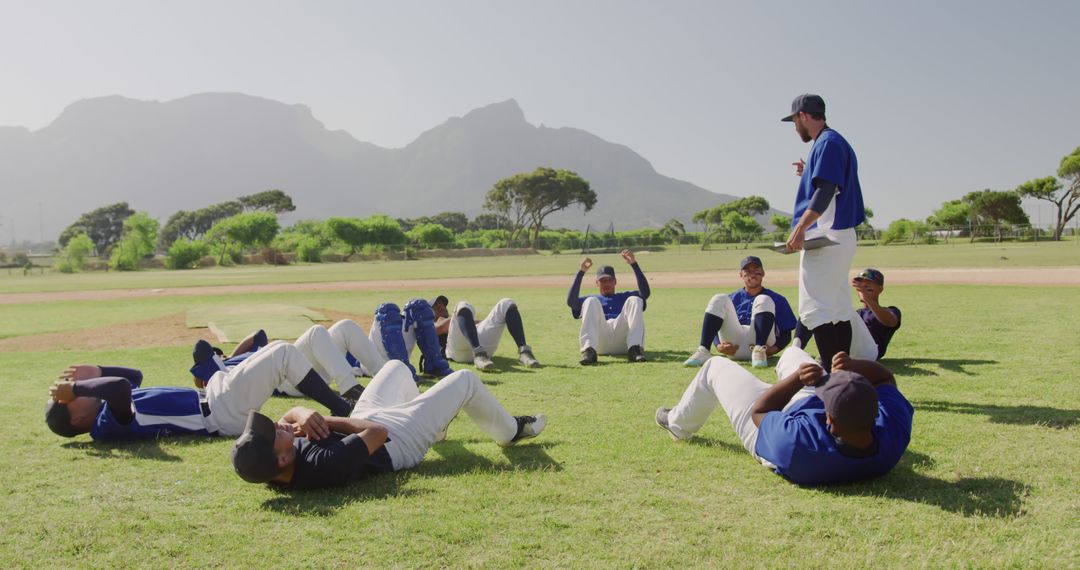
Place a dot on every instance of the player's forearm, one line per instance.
(885, 316)
(132, 375)
(352, 425)
(642, 282)
(573, 298)
(871, 370)
(115, 391)
(776, 397)
(808, 219)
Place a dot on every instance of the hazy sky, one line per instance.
(938, 98)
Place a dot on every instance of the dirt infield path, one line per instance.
(923, 276)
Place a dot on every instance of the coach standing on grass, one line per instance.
(828, 203)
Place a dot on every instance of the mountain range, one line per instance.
(202, 149)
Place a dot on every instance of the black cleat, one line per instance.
(588, 357)
(635, 354)
(352, 395)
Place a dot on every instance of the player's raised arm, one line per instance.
(573, 298)
(642, 282)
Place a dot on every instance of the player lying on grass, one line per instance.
(752, 323)
(611, 323)
(466, 340)
(330, 351)
(391, 429)
(108, 403)
(874, 329)
(810, 427)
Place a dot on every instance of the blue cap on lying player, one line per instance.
(253, 453)
(605, 271)
(751, 259)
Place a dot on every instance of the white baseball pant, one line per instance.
(824, 291)
(248, 385)
(737, 333)
(414, 419)
(722, 382)
(488, 331)
(612, 336)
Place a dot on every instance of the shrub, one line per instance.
(185, 254)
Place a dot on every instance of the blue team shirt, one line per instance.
(613, 305)
(799, 444)
(832, 159)
(744, 306)
(159, 411)
(881, 333)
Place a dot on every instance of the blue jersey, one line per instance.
(159, 411)
(613, 304)
(799, 444)
(833, 160)
(744, 305)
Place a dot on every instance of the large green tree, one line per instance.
(104, 226)
(137, 242)
(995, 207)
(527, 198)
(714, 218)
(951, 213)
(274, 201)
(1063, 194)
(246, 230)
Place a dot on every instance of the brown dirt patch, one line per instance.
(170, 330)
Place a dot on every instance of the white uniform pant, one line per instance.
(824, 291)
(612, 336)
(414, 419)
(488, 331)
(863, 345)
(721, 382)
(248, 385)
(326, 349)
(737, 333)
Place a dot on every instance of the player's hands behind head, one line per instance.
(586, 264)
(81, 372)
(810, 373)
(62, 392)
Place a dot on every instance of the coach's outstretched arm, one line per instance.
(573, 298)
(642, 282)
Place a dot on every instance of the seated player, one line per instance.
(391, 429)
(611, 323)
(874, 329)
(810, 427)
(108, 403)
(469, 341)
(751, 323)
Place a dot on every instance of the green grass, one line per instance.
(686, 258)
(990, 479)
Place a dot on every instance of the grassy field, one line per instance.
(990, 479)
(686, 258)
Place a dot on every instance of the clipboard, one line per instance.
(812, 243)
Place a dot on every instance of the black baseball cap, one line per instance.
(605, 271)
(806, 103)
(253, 453)
(850, 399)
(58, 418)
(440, 298)
(751, 259)
(870, 274)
